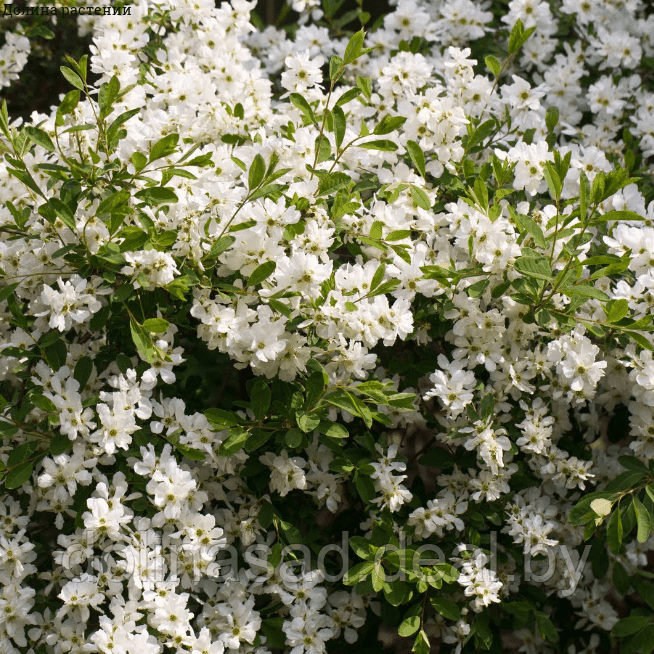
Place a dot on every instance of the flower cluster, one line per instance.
(264, 289)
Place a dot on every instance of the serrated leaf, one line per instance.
(260, 399)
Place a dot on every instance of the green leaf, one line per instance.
(234, 442)
(139, 160)
(256, 172)
(539, 268)
(518, 36)
(298, 101)
(191, 453)
(493, 64)
(354, 47)
(156, 195)
(358, 573)
(389, 124)
(314, 388)
(156, 325)
(261, 273)
(55, 354)
(40, 138)
(365, 84)
(420, 198)
(260, 399)
(164, 147)
(107, 95)
(59, 443)
(526, 224)
(617, 215)
(409, 626)
(362, 547)
(333, 429)
(553, 181)
(349, 95)
(220, 246)
(582, 513)
(421, 643)
(339, 125)
(83, 370)
(551, 118)
(584, 290)
(378, 577)
(546, 627)
(17, 476)
(67, 106)
(72, 77)
(221, 418)
(398, 235)
(643, 520)
(376, 230)
(63, 212)
(365, 488)
(335, 68)
(614, 533)
(617, 310)
(333, 182)
(307, 422)
(293, 438)
(446, 607)
(21, 452)
(142, 341)
(630, 625)
(417, 157)
(381, 144)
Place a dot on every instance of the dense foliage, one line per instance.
(312, 337)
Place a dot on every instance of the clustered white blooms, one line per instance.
(139, 561)
(13, 56)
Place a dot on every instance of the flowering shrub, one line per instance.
(310, 339)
